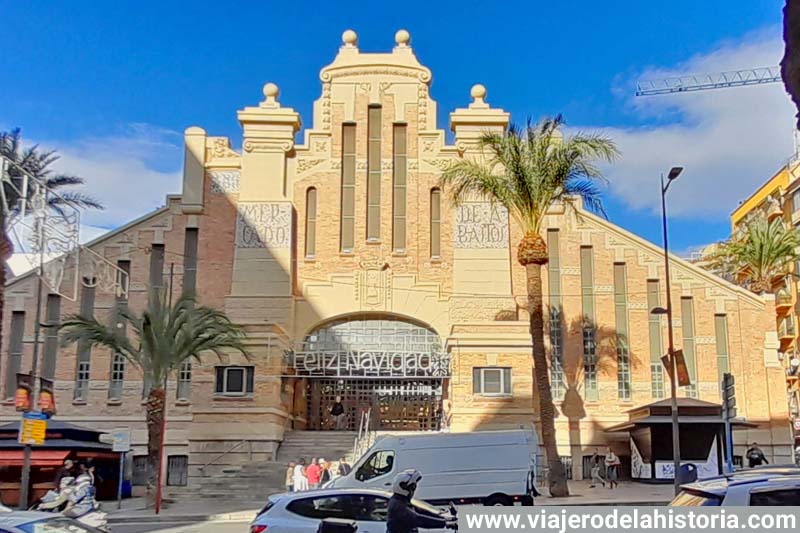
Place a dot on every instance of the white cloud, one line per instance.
(729, 140)
(130, 173)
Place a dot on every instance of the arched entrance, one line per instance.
(393, 367)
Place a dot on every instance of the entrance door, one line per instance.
(395, 404)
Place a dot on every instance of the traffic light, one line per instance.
(729, 395)
(22, 396)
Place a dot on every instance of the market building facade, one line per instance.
(355, 277)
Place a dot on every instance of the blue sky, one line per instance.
(112, 88)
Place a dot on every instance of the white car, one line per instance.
(301, 512)
(766, 485)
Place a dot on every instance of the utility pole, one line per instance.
(26, 458)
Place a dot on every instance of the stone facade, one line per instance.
(250, 210)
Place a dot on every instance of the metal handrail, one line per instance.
(226, 452)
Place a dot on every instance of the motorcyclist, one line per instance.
(402, 518)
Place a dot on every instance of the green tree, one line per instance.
(35, 162)
(163, 337)
(526, 171)
(756, 258)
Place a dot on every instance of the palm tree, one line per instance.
(526, 171)
(165, 336)
(762, 253)
(35, 162)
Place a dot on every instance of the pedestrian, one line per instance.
(344, 467)
(612, 468)
(594, 465)
(66, 471)
(300, 480)
(337, 413)
(755, 457)
(290, 476)
(325, 473)
(313, 472)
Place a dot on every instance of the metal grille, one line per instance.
(177, 470)
(379, 334)
(396, 404)
(557, 356)
(589, 363)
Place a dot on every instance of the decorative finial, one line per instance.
(271, 93)
(350, 38)
(478, 92)
(402, 38)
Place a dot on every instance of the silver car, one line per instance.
(301, 512)
(768, 485)
(34, 522)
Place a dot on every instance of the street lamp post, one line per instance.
(674, 172)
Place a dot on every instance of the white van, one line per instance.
(487, 467)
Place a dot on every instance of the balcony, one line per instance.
(773, 209)
(783, 299)
(786, 330)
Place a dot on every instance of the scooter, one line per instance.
(75, 499)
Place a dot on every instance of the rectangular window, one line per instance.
(348, 222)
(234, 380)
(687, 321)
(654, 331)
(84, 359)
(721, 333)
(117, 374)
(185, 381)
(157, 266)
(589, 335)
(556, 317)
(15, 350)
(436, 223)
(177, 470)
(374, 173)
(491, 381)
(190, 244)
(623, 349)
(139, 471)
(796, 201)
(311, 222)
(52, 319)
(400, 167)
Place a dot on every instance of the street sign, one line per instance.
(121, 440)
(33, 429)
(797, 424)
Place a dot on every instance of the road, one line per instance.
(178, 527)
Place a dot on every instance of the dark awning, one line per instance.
(652, 420)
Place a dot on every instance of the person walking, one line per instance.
(756, 457)
(300, 480)
(290, 476)
(612, 469)
(337, 414)
(325, 472)
(594, 465)
(313, 473)
(344, 467)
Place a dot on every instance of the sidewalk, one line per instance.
(134, 511)
(205, 510)
(627, 493)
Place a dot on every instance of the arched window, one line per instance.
(311, 222)
(436, 223)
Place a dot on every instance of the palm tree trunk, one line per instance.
(155, 425)
(557, 479)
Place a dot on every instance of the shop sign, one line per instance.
(797, 425)
(371, 363)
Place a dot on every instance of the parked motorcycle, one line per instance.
(75, 498)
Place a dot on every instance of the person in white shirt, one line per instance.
(300, 479)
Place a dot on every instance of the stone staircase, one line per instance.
(254, 481)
